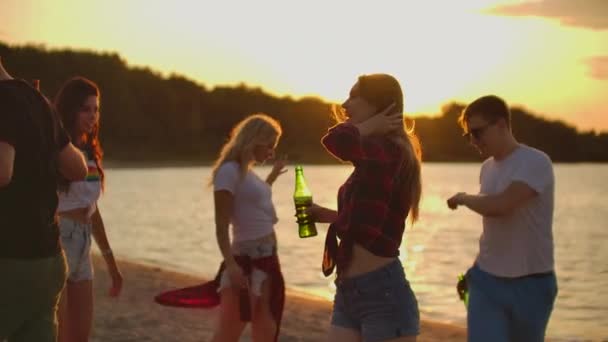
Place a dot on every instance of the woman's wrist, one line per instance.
(107, 252)
(364, 128)
(272, 176)
(230, 263)
(330, 215)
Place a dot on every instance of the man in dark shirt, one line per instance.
(34, 151)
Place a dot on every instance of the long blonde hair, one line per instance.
(381, 90)
(255, 129)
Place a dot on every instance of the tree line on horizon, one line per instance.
(146, 117)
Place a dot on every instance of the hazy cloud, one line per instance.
(592, 14)
(598, 67)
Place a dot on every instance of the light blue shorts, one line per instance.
(380, 305)
(509, 309)
(76, 243)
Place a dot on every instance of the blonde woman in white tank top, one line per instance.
(244, 200)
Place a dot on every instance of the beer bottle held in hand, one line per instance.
(463, 289)
(302, 198)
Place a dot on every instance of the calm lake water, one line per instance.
(164, 217)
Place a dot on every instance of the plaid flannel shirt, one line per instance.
(371, 207)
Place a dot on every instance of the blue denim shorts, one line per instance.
(76, 243)
(380, 305)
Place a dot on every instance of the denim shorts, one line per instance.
(509, 309)
(76, 243)
(380, 305)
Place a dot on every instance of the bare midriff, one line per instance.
(78, 215)
(363, 261)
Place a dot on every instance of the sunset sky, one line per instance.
(550, 56)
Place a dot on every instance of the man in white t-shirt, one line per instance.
(512, 285)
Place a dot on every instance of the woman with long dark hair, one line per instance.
(79, 218)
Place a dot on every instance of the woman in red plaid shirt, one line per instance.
(373, 301)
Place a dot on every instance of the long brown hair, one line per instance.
(382, 90)
(68, 102)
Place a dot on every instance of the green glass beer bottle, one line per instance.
(302, 198)
(463, 289)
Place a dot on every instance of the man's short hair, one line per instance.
(490, 107)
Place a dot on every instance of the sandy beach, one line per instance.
(136, 317)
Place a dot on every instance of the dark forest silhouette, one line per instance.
(150, 118)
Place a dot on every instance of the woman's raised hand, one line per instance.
(386, 121)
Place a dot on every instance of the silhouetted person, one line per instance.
(34, 151)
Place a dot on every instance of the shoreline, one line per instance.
(159, 164)
(134, 316)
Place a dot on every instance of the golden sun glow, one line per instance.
(439, 50)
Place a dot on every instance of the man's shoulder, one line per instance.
(487, 163)
(534, 155)
(17, 98)
(15, 89)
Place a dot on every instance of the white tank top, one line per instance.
(82, 194)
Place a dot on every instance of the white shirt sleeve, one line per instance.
(536, 172)
(227, 177)
(482, 170)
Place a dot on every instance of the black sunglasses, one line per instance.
(477, 131)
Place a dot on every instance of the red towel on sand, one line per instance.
(198, 296)
(206, 295)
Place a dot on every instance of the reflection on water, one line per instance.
(164, 217)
